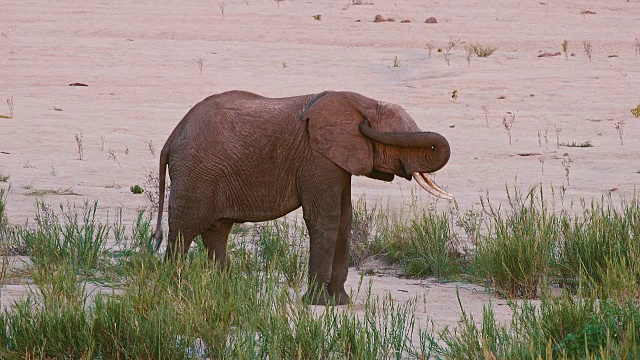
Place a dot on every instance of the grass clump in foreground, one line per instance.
(188, 309)
(516, 254)
(145, 308)
(424, 247)
(600, 248)
(421, 243)
(559, 328)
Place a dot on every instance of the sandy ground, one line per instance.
(147, 62)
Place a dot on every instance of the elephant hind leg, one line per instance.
(178, 243)
(215, 240)
(340, 266)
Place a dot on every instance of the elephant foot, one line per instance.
(340, 296)
(324, 297)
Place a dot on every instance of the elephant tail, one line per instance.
(162, 175)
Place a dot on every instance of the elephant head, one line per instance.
(375, 139)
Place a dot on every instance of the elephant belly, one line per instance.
(246, 200)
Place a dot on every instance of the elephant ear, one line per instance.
(333, 120)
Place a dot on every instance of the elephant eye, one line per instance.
(432, 147)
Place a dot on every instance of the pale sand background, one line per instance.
(140, 58)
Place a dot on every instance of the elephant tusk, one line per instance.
(430, 186)
(433, 184)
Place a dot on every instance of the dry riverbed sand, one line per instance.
(147, 62)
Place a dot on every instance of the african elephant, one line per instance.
(240, 157)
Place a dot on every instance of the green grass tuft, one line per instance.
(517, 254)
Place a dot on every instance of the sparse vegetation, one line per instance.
(636, 111)
(362, 227)
(396, 61)
(44, 192)
(479, 50)
(469, 51)
(454, 94)
(485, 111)
(585, 144)
(153, 182)
(450, 46)
(508, 121)
(588, 49)
(430, 48)
(620, 128)
(565, 49)
(152, 148)
(4, 222)
(80, 146)
(558, 130)
(112, 156)
(199, 62)
(317, 17)
(4, 178)
(136, 189)
(566, 164)
(10, 106)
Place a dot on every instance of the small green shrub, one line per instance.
(636, 111)
(136, 189)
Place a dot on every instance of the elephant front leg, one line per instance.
(327, 214)
(323, 234)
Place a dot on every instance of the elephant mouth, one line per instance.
(430, 186)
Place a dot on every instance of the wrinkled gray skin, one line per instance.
(240, 157)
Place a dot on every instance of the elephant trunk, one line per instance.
(425, 140)
(406, 140)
